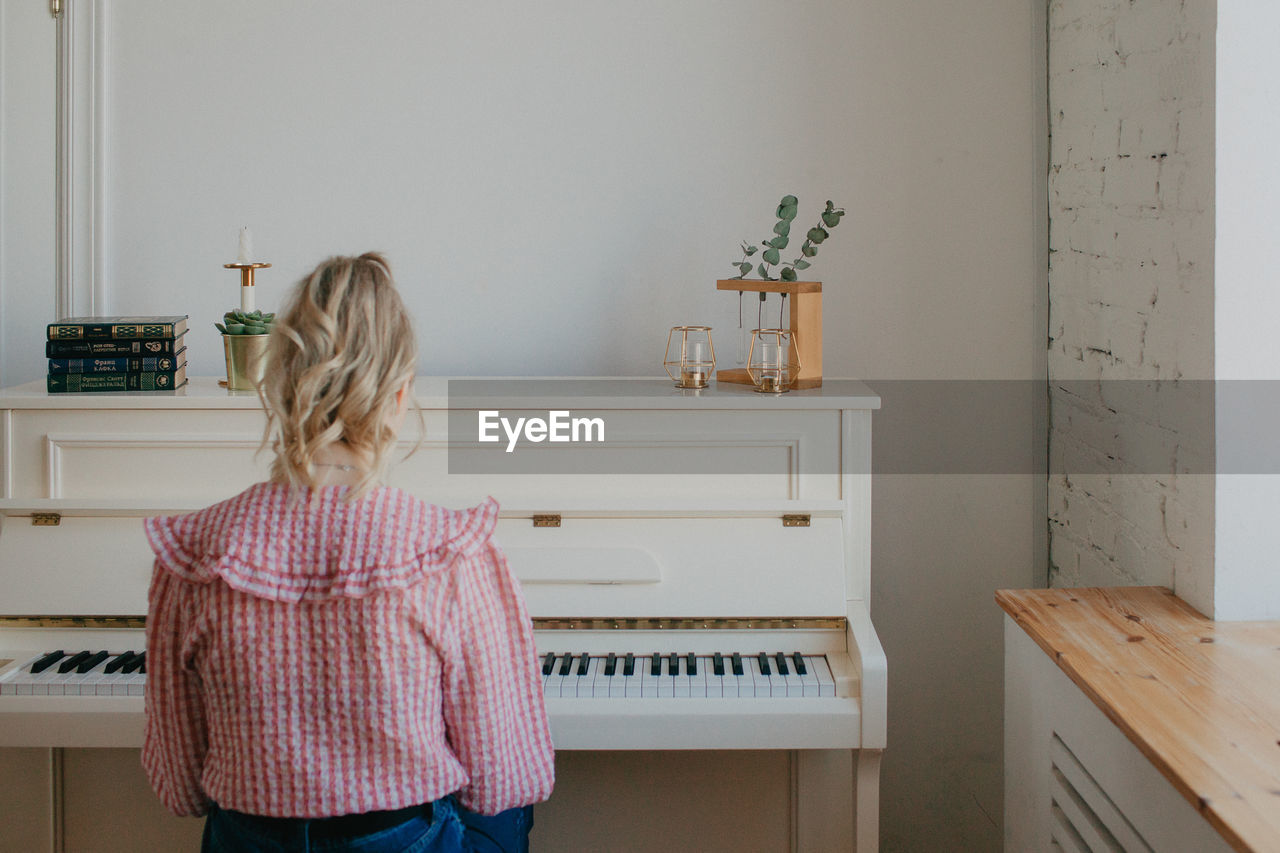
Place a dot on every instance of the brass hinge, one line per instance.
(45, 519)
(796, 520)
(55, 8)
(549, 520)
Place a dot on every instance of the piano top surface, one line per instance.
(438, 392)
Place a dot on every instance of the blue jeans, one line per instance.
(449, 829)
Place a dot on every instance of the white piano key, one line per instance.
(580, 685)
(42, 682)
(715, 683)
(809, 681)
(826, 684)
(94, 680)
(666, 681)
(554, 682)
(759, 680)
(777, 681)
(698, 683)
(680, 683)
(617, 683)
(648, 681)
(633, 684)
(737, 686)
(569, 683)
(599, 683)
(795, 687)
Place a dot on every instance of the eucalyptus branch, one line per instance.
(772, 254)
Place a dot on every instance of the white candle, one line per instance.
(246, 247)
(246, 298)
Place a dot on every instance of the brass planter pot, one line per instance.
(245, 360)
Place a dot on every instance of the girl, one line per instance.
(334, 664)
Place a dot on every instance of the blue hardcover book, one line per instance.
(122, 364)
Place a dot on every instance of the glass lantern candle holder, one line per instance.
(774, 360)
(691, 357)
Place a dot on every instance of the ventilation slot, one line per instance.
(1084, 819)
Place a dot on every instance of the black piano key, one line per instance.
(782, 664)
(629, 664)
(118, 661)
(610, 664)
(548, 663)
(73, 662)
(47, 661)
(91, 661)
(566, 665)
(691, 664)
(655, 664)
(764, 664)
(674, 660)
(137, 664)
(717, 664)
(583, 663)
(737, 663)
(801, 669)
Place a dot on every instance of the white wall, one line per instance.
(27, 122)
(1245, 582)
(1131, 294)
(558, 183)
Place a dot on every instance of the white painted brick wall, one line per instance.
(1130, 289)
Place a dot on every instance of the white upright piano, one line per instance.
(699, 581)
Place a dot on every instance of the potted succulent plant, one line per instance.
(244, 341)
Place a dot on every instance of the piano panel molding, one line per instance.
(57, 443)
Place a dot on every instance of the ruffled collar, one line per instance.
(289, 544)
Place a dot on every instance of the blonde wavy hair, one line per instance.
(339, 351)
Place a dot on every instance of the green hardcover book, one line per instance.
(151, 380)
(117, 328)
(106, 349)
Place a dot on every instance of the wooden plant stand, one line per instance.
(806, 326)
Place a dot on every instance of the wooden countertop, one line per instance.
(1199, 698)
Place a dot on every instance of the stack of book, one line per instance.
(117, 354)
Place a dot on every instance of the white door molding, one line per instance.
(81, 141)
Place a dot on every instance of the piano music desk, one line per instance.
(722, 521)
(1182, 716)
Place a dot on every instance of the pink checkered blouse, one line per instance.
(308, 657)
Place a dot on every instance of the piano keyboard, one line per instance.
(84, 673)
(791, 700)
(615, 675)
(721, 675)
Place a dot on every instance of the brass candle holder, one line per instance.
(246, 280)
(244, 354)
(694, 359)
(774, 360)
